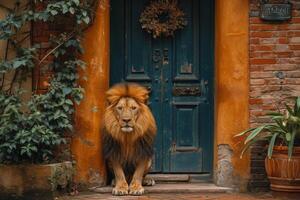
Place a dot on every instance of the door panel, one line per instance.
(179, 73)
(187, 44)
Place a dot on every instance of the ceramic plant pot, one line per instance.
(284, 174)
(28, 181)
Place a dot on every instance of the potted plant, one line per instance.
(30, 162)
(283, 152)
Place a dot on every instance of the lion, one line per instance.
(128, 136)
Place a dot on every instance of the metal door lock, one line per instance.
(156, 56)
(165, 56)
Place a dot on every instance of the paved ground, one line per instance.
(222, 196)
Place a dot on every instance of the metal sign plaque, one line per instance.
(276, 12)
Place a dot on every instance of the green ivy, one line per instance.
(31, 131)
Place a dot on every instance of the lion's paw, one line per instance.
(148, 181)
(120, 190)
(136, 189)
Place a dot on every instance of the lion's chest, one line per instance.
(128, 149)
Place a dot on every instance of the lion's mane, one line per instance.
(128, 147)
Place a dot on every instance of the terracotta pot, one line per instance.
(28, 181)
(284, 174)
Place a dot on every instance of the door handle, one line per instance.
(156, 55)
(165, 56)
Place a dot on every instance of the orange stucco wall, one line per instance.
(95, 81)
(232, 87)
(232, 81)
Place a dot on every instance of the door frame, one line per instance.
(118, 7)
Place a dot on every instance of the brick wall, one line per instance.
(274, 74)
(41, 33)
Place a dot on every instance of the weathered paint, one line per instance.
(86, 143)
(232, 83)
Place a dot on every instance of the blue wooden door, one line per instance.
(179, 73)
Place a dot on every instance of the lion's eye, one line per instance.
(119, 108)
(133, 108)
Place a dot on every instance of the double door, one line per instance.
(178, 71)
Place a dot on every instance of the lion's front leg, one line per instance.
(136, 187)
(121, 187)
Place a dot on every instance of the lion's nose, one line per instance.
(126, 120)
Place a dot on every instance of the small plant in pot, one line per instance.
(283, 151)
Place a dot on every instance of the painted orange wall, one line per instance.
(95, 81)
(232, 89)
(232, 81)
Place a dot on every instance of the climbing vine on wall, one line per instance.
(31, 131)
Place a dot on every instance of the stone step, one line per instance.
(174, 188)
(169, 177)
(192, 178)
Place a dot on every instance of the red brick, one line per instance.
(255, 101)
(282, 47)
(255, 20)
(279, 67)
(296, 53)
(285, 54)
(262, 47)
(295, 47)
(280, 34)
(262, 27)
(256, 68)
(292, 81)
(254, 41)
(295, 20)
(255, 75)
(294, 27)
(261, 34)
(257, 81)
(293, 33)
(283, 40)
(268, 40)
(262, 61)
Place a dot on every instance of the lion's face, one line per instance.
(127, 116)
(127, 111)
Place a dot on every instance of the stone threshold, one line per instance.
(174, 188)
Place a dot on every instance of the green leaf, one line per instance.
(288, 137)
(255, 133)
(71, 10)
(291, 144)
(66, 90)
(297, 107)
(274, 114)
(65, 9)
(289, 109)
(19, 63)
(76, 2)
(246, 147)
(244, 132)
(86, 20)
(53, 12)
(279, 123)
(271, 145)
(69, 102)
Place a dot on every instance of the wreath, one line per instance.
(162, 17)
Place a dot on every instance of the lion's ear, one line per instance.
(140, 93)
(115, 93)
